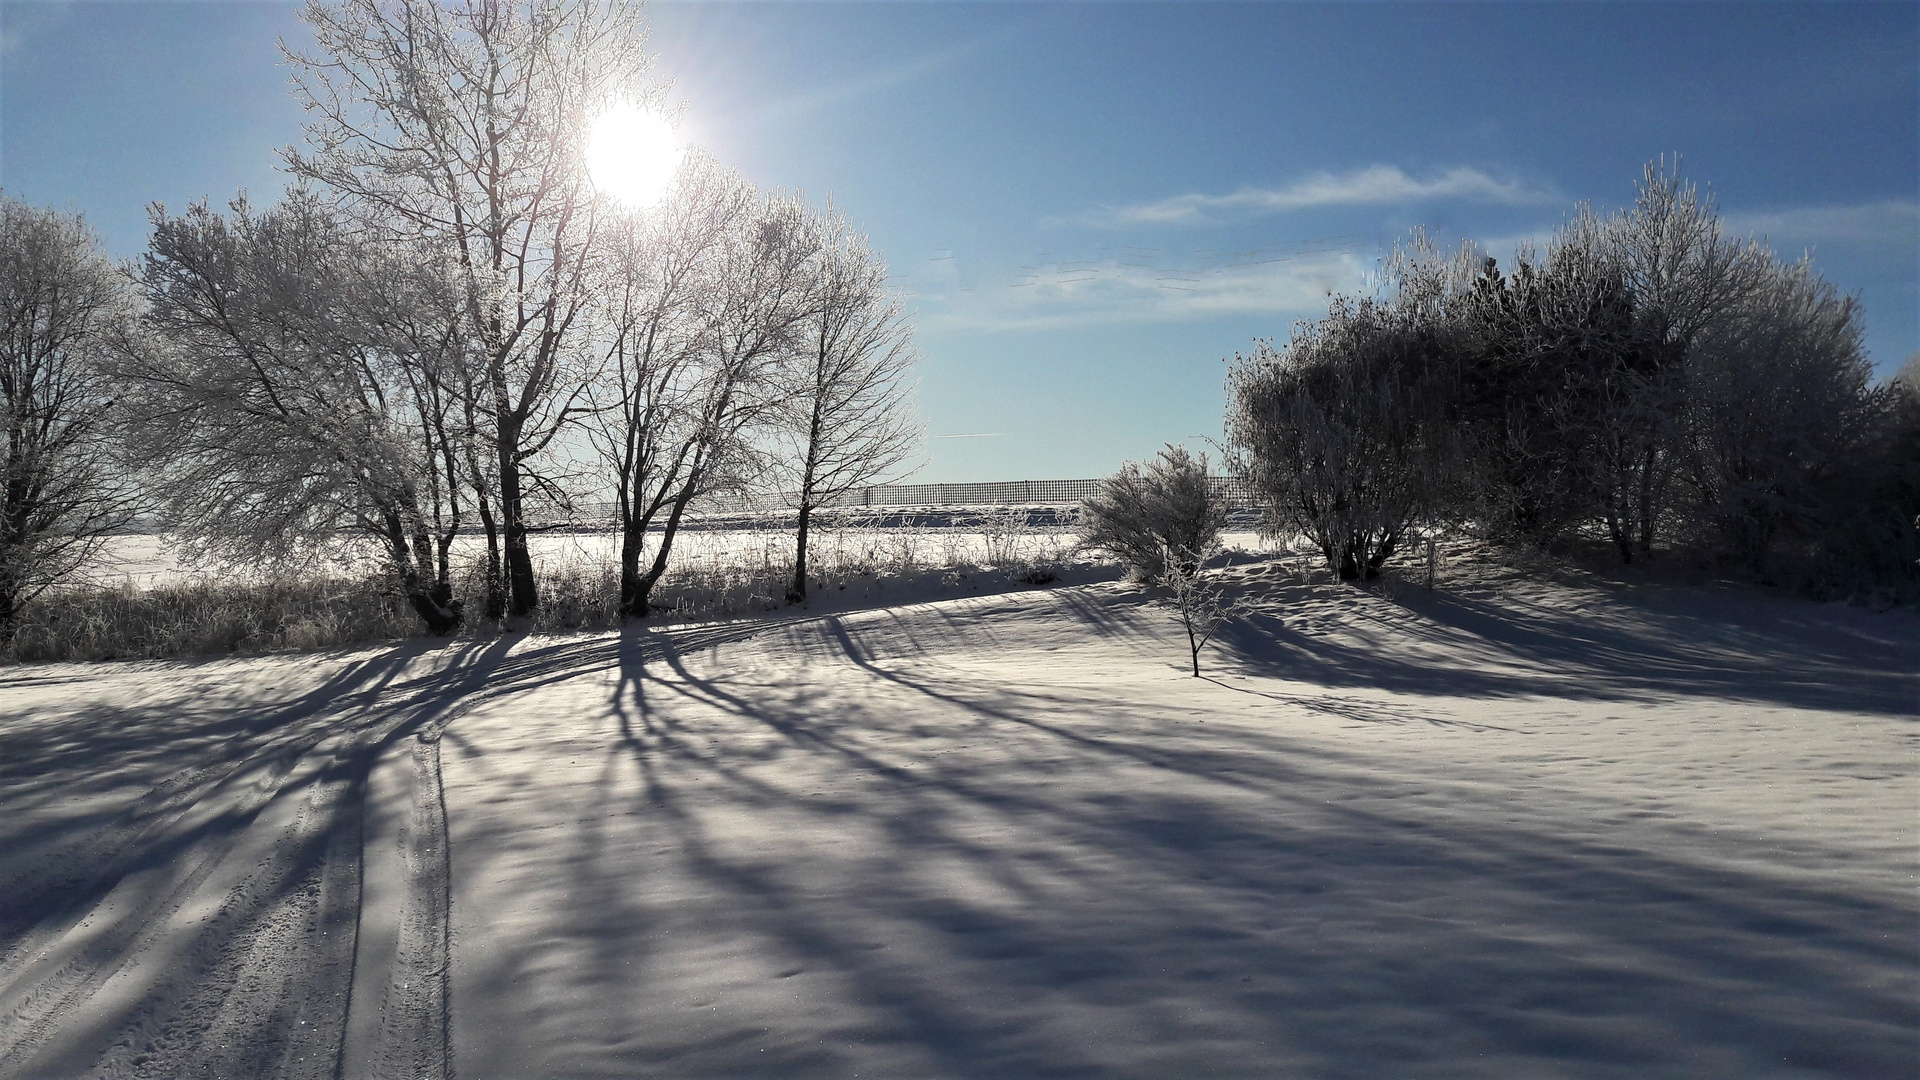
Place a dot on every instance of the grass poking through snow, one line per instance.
(714, 576)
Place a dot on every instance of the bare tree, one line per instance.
(1777, 392)
(706, 301)
(292, 396)
(646, 423)
(61, 489)
(411, 318)
(845, 416)
(1345, 433)
(1199, 603)
(463, 122)
(1687, 278)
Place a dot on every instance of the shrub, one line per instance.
(1165, 513)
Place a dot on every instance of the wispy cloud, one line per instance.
(1888, 221)
(1378, 185)
(1145, 285)
(864, 84)
(1886, 224)
(21, 23)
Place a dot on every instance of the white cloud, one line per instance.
(1140, 287)
(1378, 185)
(1889, 221)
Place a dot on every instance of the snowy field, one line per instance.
(1504, 829)
(151, 559)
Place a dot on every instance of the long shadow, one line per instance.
(214, 753)
(186, 742)
(1749, 649)
(654, 741)
(1351, 709)
(1234, 904)
(177, 754)
(1242, 924)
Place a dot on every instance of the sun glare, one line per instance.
(632, 154)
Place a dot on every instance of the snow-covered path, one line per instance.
(1510, 830)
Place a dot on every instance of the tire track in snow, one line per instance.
(235, 933)
(223, 942)
(51, 978)
(254, 992)
(122, 846)
(399, 1023)
(283, 911)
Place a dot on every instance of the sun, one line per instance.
(632, 154)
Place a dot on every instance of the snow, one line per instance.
(1510, 827)
(146, 560)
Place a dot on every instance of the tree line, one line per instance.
(1649, 375)
(443, 326)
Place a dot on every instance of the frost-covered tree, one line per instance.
(1347, 433)
(1199, 603)
(1160, 517)
(1651, 373)
(845, 411)
(62, 487)
(1907, 379)
(704, 299)
(461, 123)
(1777, 392)
(1536, 346)
(658, 269)
(1687, 278)
(293, 386)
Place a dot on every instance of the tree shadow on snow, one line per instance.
(1027, 888)
(1680, 644)
(1038, 880)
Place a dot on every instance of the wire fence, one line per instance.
(1062, 496)
(1009, 493)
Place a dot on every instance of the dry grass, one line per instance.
(750, 575)
(207, 618)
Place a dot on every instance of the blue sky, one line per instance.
(1093, 206)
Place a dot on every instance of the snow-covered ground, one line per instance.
(1508, 828)
(145, 560)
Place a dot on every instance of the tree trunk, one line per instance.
(1349, 567)
(434, 605)
(9, 614)
(522, 594)
(797, 592)
(1646, 500)
(1619, 530)
(1381, 553)
(496, 596)
(643, 593)
(633, 597)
